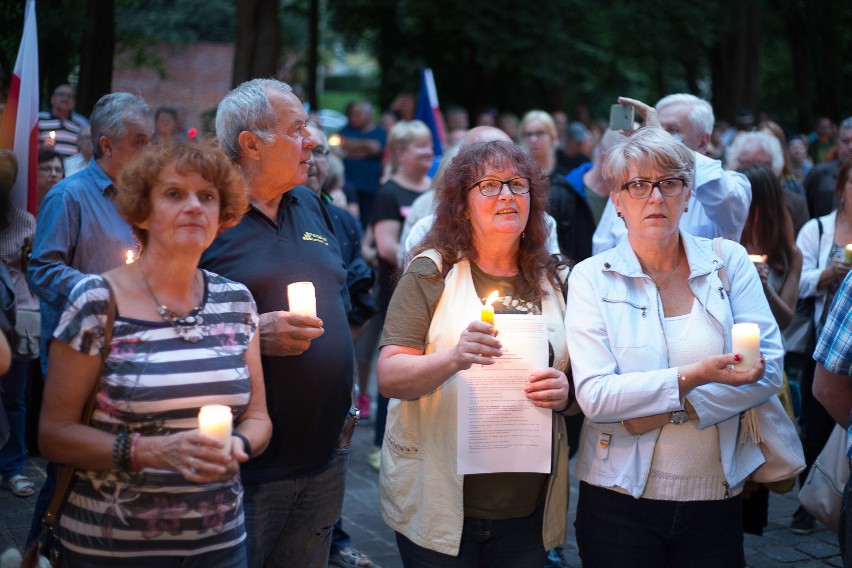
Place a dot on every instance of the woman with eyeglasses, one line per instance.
(661, 465)
(489, 234)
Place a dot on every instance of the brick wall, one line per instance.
(198, 76)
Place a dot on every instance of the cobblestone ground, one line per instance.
(778, 547)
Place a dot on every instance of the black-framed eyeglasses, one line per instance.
(319, 152)
(642, 188)
(493, 187)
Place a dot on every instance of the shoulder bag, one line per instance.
(47, 546)
(822, 493)
(769, 425)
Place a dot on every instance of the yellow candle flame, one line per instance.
(130, 258)
(488, 308)
(757, 257)
(334, 140)
(492, 297)
(52, 135)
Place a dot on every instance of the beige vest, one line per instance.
(421, 494)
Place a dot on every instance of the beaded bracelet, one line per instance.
(134, 462)
(246, 444)
(116, 448)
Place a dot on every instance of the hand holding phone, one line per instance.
(621, 117)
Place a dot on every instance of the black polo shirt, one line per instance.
(308, 395)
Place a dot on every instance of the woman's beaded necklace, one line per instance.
(188, 327)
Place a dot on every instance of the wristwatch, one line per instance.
(679, 417)
(355, 414)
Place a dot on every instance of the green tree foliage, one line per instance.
(785, 56)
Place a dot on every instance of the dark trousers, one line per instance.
(619, 530)
(815, 422)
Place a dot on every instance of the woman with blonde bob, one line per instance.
(661, 464)
(149, 486)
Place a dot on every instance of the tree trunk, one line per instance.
(97, 51)
(735, 63)
(313, 54)
(258, 40)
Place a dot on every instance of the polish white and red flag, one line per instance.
(429, 111)
(19, 130)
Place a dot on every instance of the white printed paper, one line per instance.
(499, 429)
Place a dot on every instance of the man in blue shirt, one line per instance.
(79, 229)
(363, 143)
(294, 490)
(833, 389)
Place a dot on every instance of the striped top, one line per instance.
(154, 383)
(66, 130)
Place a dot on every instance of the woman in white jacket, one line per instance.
(648, 326)
(823, 244)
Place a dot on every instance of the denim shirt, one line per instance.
(79, 232)
(614, 323)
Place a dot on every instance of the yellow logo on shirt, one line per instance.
(308, 236)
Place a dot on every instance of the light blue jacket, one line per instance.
(619, 356)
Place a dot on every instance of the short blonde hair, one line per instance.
(544, 118)
(204, 158)
(401, 135)
(648, 144)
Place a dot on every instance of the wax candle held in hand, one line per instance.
(216, 421)
(745, 340)
(488, 308)
(302, 298)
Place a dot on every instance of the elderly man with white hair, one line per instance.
(720, 201)
(750, 148)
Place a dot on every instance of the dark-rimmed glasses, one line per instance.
(642, 188)
(493, 187)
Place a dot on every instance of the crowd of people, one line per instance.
(156, 276)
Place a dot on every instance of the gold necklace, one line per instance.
(188, 327)
(669, 277)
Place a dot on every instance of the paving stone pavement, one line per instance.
(777, 548)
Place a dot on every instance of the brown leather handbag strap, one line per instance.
(65, 473)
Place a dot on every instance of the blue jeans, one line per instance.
(340, 539)
(14, 384)
(289, 522)
(619, 530)
(234, 557)
(509, 543)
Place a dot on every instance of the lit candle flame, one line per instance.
(335, 140)
(492, 297)
(488, 308)
(52, 135)
(130, 258)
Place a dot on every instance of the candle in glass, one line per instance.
(302, 298)
(745, 340)
(216, 421)
(488, 308)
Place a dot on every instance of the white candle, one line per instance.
(302, 298)
(216, 421)
(745, 340)
(130, 258)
